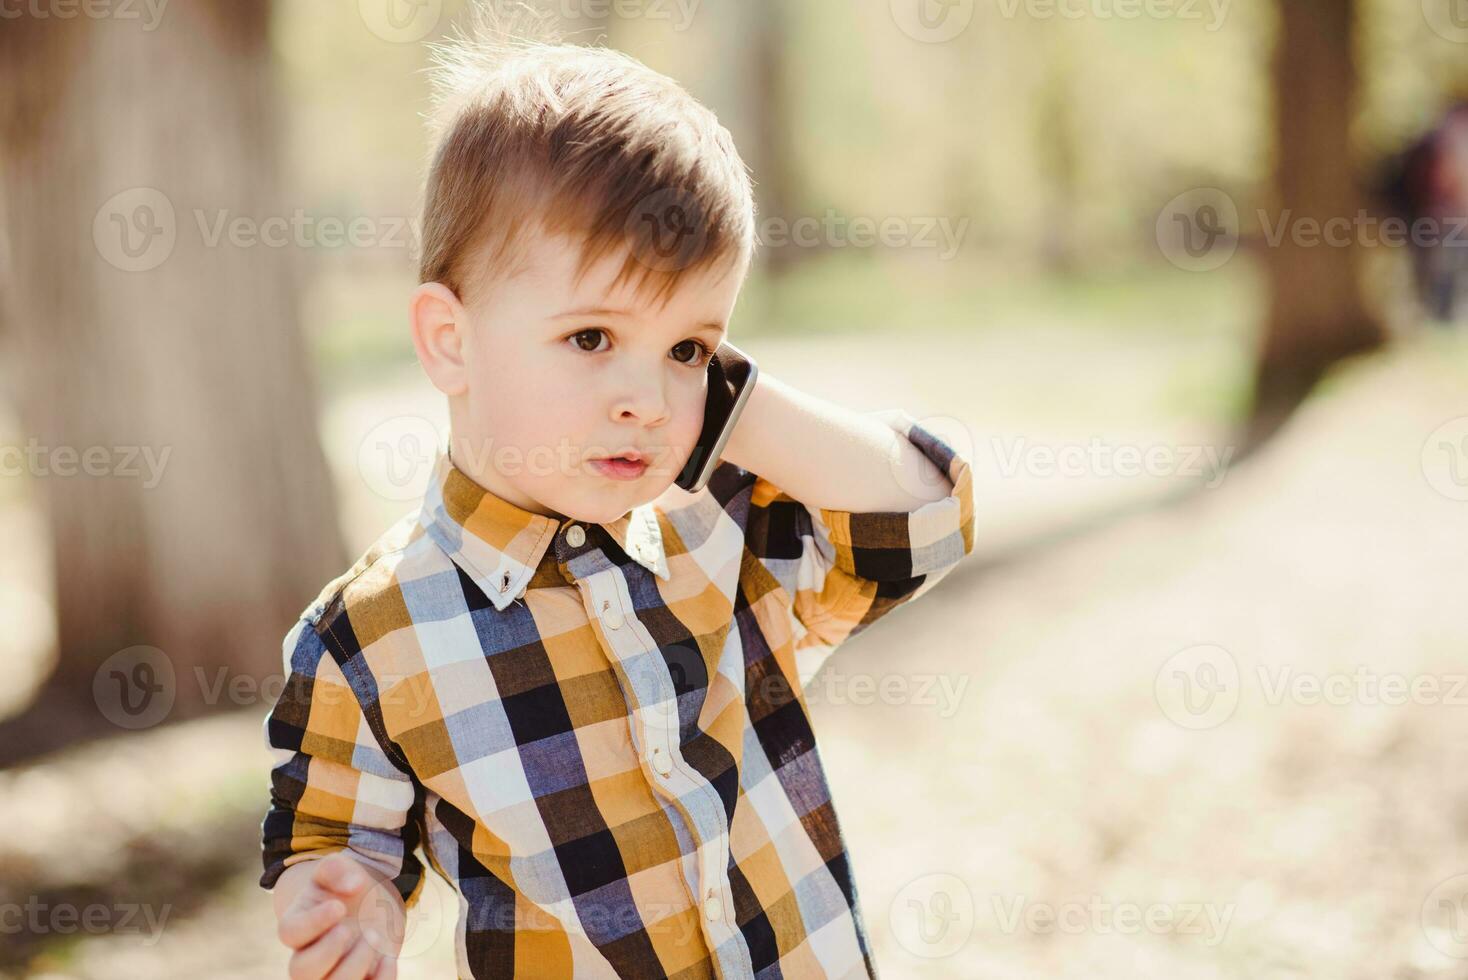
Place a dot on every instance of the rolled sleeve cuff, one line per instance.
(890, 546)
(278, 856)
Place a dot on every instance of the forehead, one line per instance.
(552, 269)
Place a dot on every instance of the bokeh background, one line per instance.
(1196, 707)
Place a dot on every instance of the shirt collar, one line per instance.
(500, 545)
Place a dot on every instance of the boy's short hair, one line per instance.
(529, 132)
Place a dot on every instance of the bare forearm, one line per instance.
(825, 455)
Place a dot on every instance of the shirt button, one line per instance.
(612, 617)
(712, 907)
(575, 536)
(661, 762)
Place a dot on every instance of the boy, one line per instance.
(578, 688)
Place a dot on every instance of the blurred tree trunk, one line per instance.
(1059, 138)
(773, 153)
(1316, 314)
(749, 89)
(130, 336)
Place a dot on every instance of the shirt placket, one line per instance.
(653, 707)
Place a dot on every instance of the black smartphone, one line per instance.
(731, 379)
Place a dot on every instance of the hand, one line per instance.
(346, 923)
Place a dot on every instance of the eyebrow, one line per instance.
(615, 311)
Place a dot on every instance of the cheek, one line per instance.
(498, 409)
(688, 418)
(519, 406)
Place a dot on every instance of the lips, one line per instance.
(626, 465)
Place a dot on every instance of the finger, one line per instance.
(318, 959)
(304, 924)
(358, 964)
(341, 875)
(387, 969)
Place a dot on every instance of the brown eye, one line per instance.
(694, 351)
(580, 339)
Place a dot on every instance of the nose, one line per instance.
(641, 399)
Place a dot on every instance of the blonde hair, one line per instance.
(530, 132)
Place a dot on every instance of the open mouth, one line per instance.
(628, 466)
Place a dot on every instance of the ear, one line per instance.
(440, 328)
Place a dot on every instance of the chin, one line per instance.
(615, 500)
(603, 508)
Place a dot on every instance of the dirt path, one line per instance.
(1302, 834)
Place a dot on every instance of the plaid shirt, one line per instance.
(598, 733)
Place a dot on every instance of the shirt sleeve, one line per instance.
(844, 571)
(332, 786)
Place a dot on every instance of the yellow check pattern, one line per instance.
(604, 746)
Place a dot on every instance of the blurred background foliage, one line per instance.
(1058, 139)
